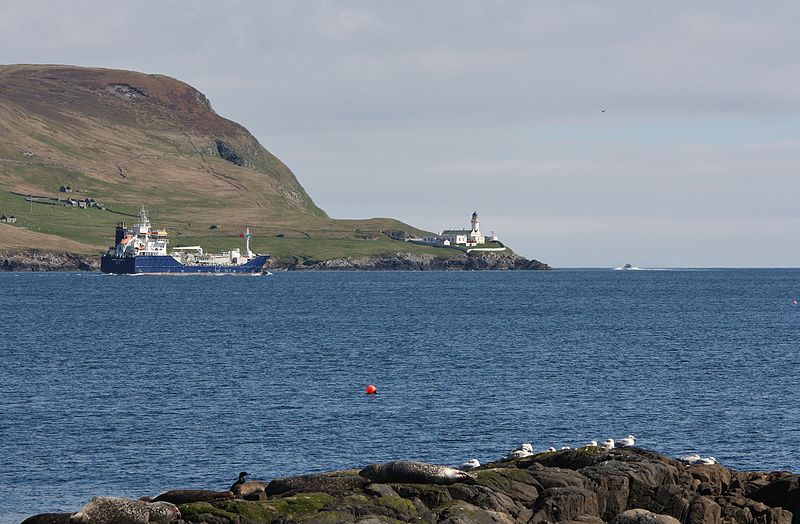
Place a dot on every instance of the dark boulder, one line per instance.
(565, 503)
(518, 484)
(703, 510)
(485, 498)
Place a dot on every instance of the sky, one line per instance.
(585, 134)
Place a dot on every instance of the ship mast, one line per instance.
(247, 236)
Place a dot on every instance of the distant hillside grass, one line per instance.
(310, 240)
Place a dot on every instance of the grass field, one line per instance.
(94, 227)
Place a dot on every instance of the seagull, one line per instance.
(551, 449)
(609, 444)
(695, 459)
(470, 464)
(592, 444)
(630, 440)
(565, 447)
(525, 450)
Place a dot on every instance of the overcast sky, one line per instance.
(584, 133)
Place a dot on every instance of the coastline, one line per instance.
(589, 485)
(34, 260)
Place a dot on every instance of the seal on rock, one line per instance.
(187, 496)
(407, 471)
(115, 510)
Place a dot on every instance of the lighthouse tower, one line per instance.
(475, 236)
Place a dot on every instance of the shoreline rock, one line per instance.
(34, 260)
(589, 485)
(475, 261)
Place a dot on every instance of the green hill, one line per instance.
(128, 139)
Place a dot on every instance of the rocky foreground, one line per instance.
(589, 485)
(33, 260)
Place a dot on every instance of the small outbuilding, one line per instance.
(8, 219)
(65, 189)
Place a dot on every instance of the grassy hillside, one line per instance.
(129, 139)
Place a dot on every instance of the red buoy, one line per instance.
(371, 390)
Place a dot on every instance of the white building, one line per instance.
(468, 237)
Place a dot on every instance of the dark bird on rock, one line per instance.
(241, 480)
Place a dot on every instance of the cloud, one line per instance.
(428, 110)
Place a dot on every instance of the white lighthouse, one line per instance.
(475, 236)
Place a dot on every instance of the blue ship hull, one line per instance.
(168, 265)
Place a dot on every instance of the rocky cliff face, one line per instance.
(587, 485)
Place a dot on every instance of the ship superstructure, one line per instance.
(143, 249)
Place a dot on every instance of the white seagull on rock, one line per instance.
(525, 450)
(609, 444)
(470, 464)
(551, 449)
(630, 440)
(695, 459)
(592, 444)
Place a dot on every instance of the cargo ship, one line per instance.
(143, 250)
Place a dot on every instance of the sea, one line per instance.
(133, 385)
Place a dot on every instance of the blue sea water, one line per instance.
(129, 386)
